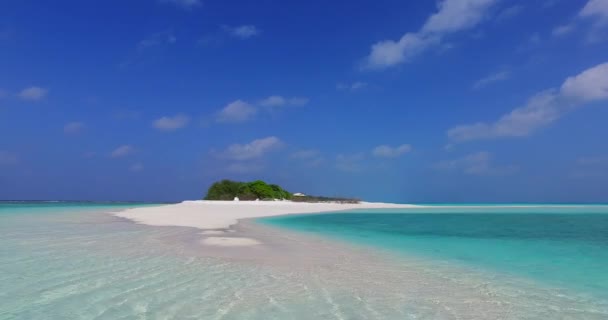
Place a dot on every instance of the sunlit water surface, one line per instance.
(73, 261)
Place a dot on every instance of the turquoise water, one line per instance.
(21, 209)
(76, 261)
(566, 247)
(40, 207)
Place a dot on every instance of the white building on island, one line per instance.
(298, 194)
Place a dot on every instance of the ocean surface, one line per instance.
(75, 261)
(562, 246)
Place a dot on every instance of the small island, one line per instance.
(260, 190)
(254, 190)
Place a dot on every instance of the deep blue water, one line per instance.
(565, 247)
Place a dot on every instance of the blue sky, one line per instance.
(409, 101)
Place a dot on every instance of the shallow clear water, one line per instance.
(75, 261)
(561, 246)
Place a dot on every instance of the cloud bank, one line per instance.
(542, 109)
(171, 123)
(451, 17)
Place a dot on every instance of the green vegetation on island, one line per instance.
(228, 190)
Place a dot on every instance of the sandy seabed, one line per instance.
(315, 277)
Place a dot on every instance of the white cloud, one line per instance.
(122, 151)
(385, 151)
(253, 150)
(241, 111)
(33, 93)
(542, 109)
(563, 30)
(538, 112)
(595, 8)
(273, 101)
(279, 101)
(495, 77)
(597, 12)
(457, 15)
(186, 4)
(74, 127)
(171, 123)
(237, 111)
(479, 163)
(590, 85)
(243, 32)
(389, 53)
(355, 86)
(452, 16)
(136, 167)
(8, 158)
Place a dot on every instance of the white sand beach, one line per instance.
(207, 215)
(213, 215)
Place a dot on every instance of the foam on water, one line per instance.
(83, 264)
